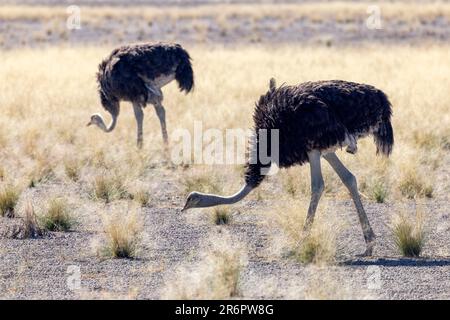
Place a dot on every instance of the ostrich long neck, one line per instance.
(111, 125)
(210, 200)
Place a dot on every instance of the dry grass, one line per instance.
(318, 246)
(72, 168)
(222, 215)
(409, 233)
(204, 182)
(323, 284)
(63, 90)
(63, 98)
(8, 200)
(122, 236)
(108, 188)
(57, 217)
(29, 227)
(378, 190)
(142, 197)
(225, 13)
(413, 184)
(215, 276)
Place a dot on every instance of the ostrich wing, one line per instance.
(318, 124)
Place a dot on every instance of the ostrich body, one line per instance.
(314, 119)
(136, 73)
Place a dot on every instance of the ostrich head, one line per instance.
(97, 120)
(194, 200)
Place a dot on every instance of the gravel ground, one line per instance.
(38, 268)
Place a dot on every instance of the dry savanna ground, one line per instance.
(331, 23)
(74, 198)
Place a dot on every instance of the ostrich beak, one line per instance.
(186, 206)
(90, 122)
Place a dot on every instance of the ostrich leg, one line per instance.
(316, 187)
(349, 181)
(139, 114)
(161, 112)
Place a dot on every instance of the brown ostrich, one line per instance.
(136, 73)
(314, 119)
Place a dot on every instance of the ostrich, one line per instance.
(315, 119)
(136, 73)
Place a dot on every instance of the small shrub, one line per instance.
(428, 140)
(215, 276)
(202, 183)
(109, 188)
(222, 215)
(41, 174)
(378, 192)
(29, 227)
(72, 169)
(315, 248)
(228, 270)
(57, 217)
(142, 197)
(413, 185)
(318, 245)
(409, 234)
(8, 200)
(122, 236)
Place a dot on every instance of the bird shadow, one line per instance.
(398, 262)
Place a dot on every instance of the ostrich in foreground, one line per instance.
(136, 73)
(315, 119)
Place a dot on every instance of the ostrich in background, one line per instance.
(314, 119)
(136, 73)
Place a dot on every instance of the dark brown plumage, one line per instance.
(318, 116)
(121, 75)
(136, 73)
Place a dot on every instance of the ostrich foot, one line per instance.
(369, 249)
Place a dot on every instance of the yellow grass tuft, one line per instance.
(412, 184)
(72, 168)
(123, 236)
(142, 197)
(8, 200)
(57, 216)
(409, 233)
(215, 276)
(318, 246)
(108, 188)
(203, 182)
(28, 228)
